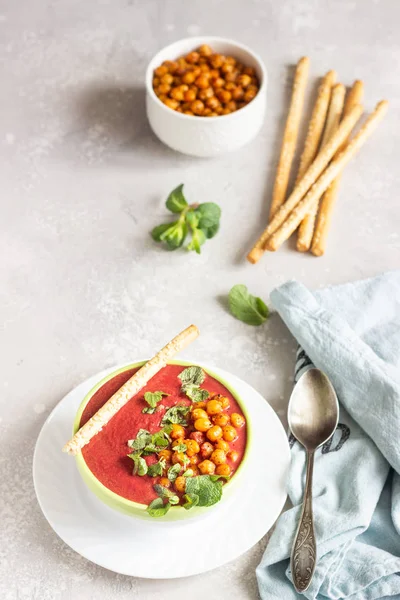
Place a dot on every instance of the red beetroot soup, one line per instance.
(106, 454)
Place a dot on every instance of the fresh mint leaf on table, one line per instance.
(176, 414)
(200, 220)
(152, 399)
(247, 308)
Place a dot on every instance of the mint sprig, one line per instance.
(191, 379)
(200, 220)
(246, 307)
(152, 399)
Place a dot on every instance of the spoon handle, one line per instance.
(304, 551)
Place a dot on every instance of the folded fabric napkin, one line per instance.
(352, 333)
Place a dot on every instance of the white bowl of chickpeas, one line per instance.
(206, 96)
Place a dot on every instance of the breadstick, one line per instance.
(310, 176)
(328, 200)
(290, 135)
(306, 228)
(336, 166)
(129, 389)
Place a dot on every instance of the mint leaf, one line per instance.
(159, 230)
(198, 239)
(180, 448)
(165, 493)
(143, 438)
(157, 469)
(174, 471)
(195, 393)
(192, 376)
(176, 201)
(188, 473)
(174, 500)
(191, 500)
(209, 215)
(152, 399)
(140, 465)
(208, 490)
(192, 219)
(247, 308)
(176, 414)
(157, 508)
(175, 235)
(161, 439)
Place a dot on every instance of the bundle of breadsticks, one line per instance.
(327, 149)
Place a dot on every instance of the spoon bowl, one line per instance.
(313, 415)
(313, 409)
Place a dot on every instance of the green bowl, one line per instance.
(135, 509)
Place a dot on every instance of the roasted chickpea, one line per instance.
(213, 102)
(218, 457)
(171, 65)
(186, 105)
(203, 60)
(195, 470)
(233, 456)
(171, 103)
(194, 460)
(218, 83)
(197, 107)
(212, 114)
(237, 93)
(231, 105)
(204, 68)
(224, 96)
(214, 73)
(192, 447)
(163, 88)
(207, 467)
(230, 60)
(177, 442)
(179, 457)
(249, 95)
(167, 78)
(244, 80)
(188, 112)
(205, 50)
(206, 449)
(220, 420)
(162, 97)
(206, 94)
(156, 82)
(227, 68)
(196, 71)
(219, 110)
(189, 96)
(160, 71)
(199, 413)
(217, 60)
(249, 71)
(199, 437)
(188, 77)
(230, 86)
(193, 57)
(214, 433)
(180, 484)
(202, 424)
(201, 404)
(229, 433)
(237, 420)
(226, 111)
(202, 81)
(222, 445)
(206, 112)
(224, 401)
(214, 407)
(164, 481)
(177, 431)
(177, 93)
(167, 454)
(223, 470)
(177, 81)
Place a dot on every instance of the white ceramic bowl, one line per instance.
(206, 136)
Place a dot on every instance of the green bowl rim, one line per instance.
(113, 496)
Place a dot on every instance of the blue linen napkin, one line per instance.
(352, 333)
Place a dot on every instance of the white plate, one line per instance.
(154, 550)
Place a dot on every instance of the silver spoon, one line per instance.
(313, 417)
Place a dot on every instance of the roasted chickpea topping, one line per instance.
(192, 447)
(223, 470)
(233, 456)
(213, 79)
(202, 424)
(215, 433)
(179, 457)
(206, 449)
(177, 431)
(214, 407)
(180, 484)
(164, 481)
(218, 457)
(237, 420)
(229, 433)
(199, 413)
(220, 420)
(167, 454)
(207, 467)
(222, 445)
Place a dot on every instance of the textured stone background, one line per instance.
(83, 180)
